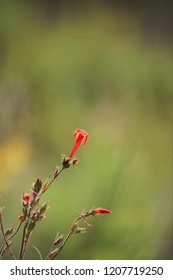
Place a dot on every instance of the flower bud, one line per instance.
(36, 187)
(74, 161)
(52, 253)
(21, 217)
(26, 198)
(43, 208)
(9, 231)
(59, 240)
(34, 215)
(101, 211)
(40, 217)
(74, 226)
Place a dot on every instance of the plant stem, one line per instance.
(51, 181)
(10, 237)
(16, 231)
(6, 242)
(24, 247)
(23, 241)
(67, 237)
(62, 246)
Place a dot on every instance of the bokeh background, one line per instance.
(106, 67)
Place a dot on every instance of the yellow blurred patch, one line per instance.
(15, 154)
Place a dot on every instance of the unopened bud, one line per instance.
(9, 231)
(37, 186)
(26, 198)
(43, 208)
(74, 226)
(52, 253)
(58, 240)
(34, 215)
(21, 217)
(40, 217)
(101, 211)
(75, 161)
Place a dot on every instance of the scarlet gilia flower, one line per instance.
(101, 211)
(27, 197)
(81, 136)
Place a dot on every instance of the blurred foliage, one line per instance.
(97, 72)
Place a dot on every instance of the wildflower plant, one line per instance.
(33, 211)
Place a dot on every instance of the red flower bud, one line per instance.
(27, 198)
(74, 161)
(101, 211)
(21, 217)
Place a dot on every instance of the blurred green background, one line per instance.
(106, 67)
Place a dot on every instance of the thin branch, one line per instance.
(51, 248)
(22, 242)
(16, 231)
(51, 181)
(63, 244)
(25, 245)
(71, 231)
(10, 237)
(6, 242)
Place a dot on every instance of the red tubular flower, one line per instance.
(81, 136)
(101, 211)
